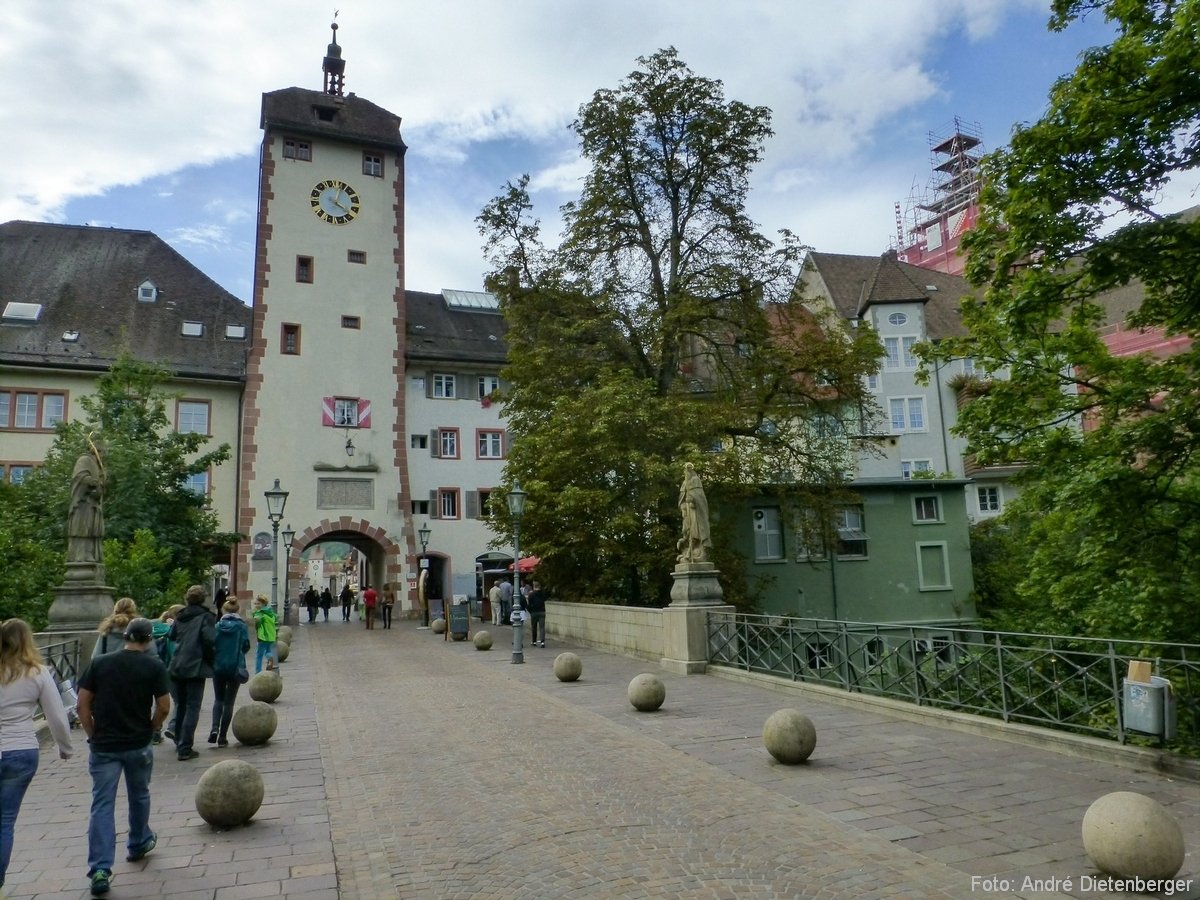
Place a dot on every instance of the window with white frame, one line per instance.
(491, 444)
(768, 533)
(488, 384)
(898, 319)
(419, 441)
(909, 467)
(345, 412)
(18, 472)
(373, 165)
(899, 352)
(447, 501)
(989, 498)
(927, 509)
(872, 382)
(447, 443)
(192, 417)
(443, 386)
(851, 532)
(907, 414)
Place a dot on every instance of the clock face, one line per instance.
(334, 202)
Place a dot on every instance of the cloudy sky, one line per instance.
(145, 115)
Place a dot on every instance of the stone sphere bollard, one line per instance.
(438, 626)
(568, 667)
(646, 692)
(265, 686)
(229, 793)
(282, 650)
(789, 736)
(1131, 835)
(483, 640)
(284, 633)
(254, 723)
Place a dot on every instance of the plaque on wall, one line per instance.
(262, 545)
(345, 493)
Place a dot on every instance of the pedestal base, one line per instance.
(695, 594)
(696, 584)
(77, 611)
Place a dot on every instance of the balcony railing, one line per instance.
(1066, 683)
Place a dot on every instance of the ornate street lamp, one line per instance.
(288, 536)
(276, 501)
(423, 536)
(516, 508)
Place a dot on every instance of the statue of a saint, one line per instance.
(85, 516)
(693, 506)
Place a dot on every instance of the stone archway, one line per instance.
(384, 556)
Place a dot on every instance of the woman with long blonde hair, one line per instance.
(25, 683)
(112, 629)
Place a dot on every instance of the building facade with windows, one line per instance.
(75, 298)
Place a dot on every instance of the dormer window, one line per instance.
(147, 292)
(325, 113)
(192, 329)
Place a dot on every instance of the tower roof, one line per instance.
(318, 114)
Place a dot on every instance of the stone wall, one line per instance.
(629, 630)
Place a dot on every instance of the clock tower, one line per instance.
(324, 402)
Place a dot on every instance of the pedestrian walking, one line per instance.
(506, 595)
(25, 684)
(194, 633)
(386, 602)
(495, 600)
(370, 599)
(536, 602)
(265, 632)
(229, 669)
(164, 647)
(123, 700)
(326, 602)
(112, 629)
(347, 599)
(311, 601)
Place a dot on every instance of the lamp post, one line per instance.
(276, 501)
(288, 536)
(516, 508)
(423, 563)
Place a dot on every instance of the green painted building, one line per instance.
(901, 553)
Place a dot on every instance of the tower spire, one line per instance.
(334, 66)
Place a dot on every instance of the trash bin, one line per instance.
(1149, 707)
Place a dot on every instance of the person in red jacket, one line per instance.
(370, 598)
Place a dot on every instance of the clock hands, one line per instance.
(337, 201)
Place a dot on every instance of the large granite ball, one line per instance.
(284, 633)
(254, 723)
(438, 626)
(265, 686)
(790, 736)
(646, 692)
(1131, 835)
(229, 793)
(483, 640)
(568, 667)
(282, 650)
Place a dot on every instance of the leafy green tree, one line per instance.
(1111, 441)
(30, 568)
(155, 526)
(661, 328)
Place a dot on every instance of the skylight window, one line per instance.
(70, 337)
(235, 332)
(192, 329)
(22, 313)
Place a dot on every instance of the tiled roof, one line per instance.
(855, 283)
(348, 118)
(438, 332)
(86, 281)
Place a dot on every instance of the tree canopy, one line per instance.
(1105, 530)
(159, 534)
(662, 328)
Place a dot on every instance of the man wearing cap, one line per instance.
(124, 699)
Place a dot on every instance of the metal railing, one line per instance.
(63, 659)
(1066, 683)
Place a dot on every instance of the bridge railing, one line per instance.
(1067, 683)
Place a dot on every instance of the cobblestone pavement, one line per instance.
(408, 766)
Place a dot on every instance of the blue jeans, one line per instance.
(106, 769)
(17, 768)
(265, 648)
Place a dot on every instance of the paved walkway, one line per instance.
(407, 766)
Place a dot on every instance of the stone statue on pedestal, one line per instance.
(696, 542)
(85, 516)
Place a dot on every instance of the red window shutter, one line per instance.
(364, 413)
(326, 410)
